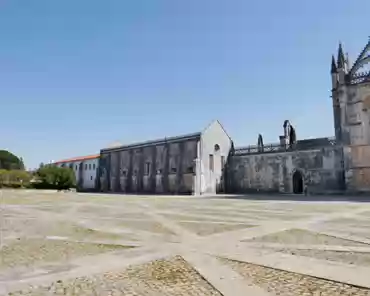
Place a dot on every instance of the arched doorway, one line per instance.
(297, 182)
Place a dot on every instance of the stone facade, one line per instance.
(177, 165)
(319, 169)
(351, 104)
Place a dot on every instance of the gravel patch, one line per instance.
(109, 212)
(180, 217)
(355, 258)
(284, 283)
(38, 227)
(27, 252)
(204, 229)
(160, 277)
(149, 226)
(301, 237)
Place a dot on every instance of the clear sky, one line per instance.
(76, 76)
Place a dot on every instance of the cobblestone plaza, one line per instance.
(89, 244)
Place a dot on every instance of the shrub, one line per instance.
(53, 177)
(14, 178)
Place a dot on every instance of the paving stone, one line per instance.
(285, 283)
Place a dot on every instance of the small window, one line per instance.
(89, 166)
(94, 166)
(211, 163)
(85, 166)
(147, 168)
(173, 170)
(222, 161)
(91, 178)
(159, 171)
(190, 169)
(135, 172)
(124, 173)
(217, 147)
(76, 167)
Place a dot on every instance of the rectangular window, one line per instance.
(76, 167)
(85, 166)
(173, 170)
(147, 168)
(124, 173)
(222, 162)
(94, 166)
(190, 169)
(91, 178)
(211, 163)
(89, 166)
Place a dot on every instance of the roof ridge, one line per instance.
(78, 158)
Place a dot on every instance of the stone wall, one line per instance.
(273, 172)
(165, 168)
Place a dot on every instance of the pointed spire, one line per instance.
(341, 58)
(333, 65)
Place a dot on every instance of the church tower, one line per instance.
(351, 107)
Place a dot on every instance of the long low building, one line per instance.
(188, 164)
(85, 169)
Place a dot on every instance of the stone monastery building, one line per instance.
(207, 162)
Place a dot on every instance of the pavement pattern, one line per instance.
(98, 244)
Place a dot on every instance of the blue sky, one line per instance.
(76, 76)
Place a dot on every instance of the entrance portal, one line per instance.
(297, 183)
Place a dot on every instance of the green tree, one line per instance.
(53, 177)
(8, 161)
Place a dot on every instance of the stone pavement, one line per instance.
(85, 244)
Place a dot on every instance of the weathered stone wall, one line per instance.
(165, 168)
(354, 101)
(273, 172)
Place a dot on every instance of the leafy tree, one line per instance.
(8, 161)
(53, 177)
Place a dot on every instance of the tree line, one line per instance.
(14, 175)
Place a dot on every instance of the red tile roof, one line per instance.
(81, 158)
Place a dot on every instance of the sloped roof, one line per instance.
(80, 158)
(154, 142)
